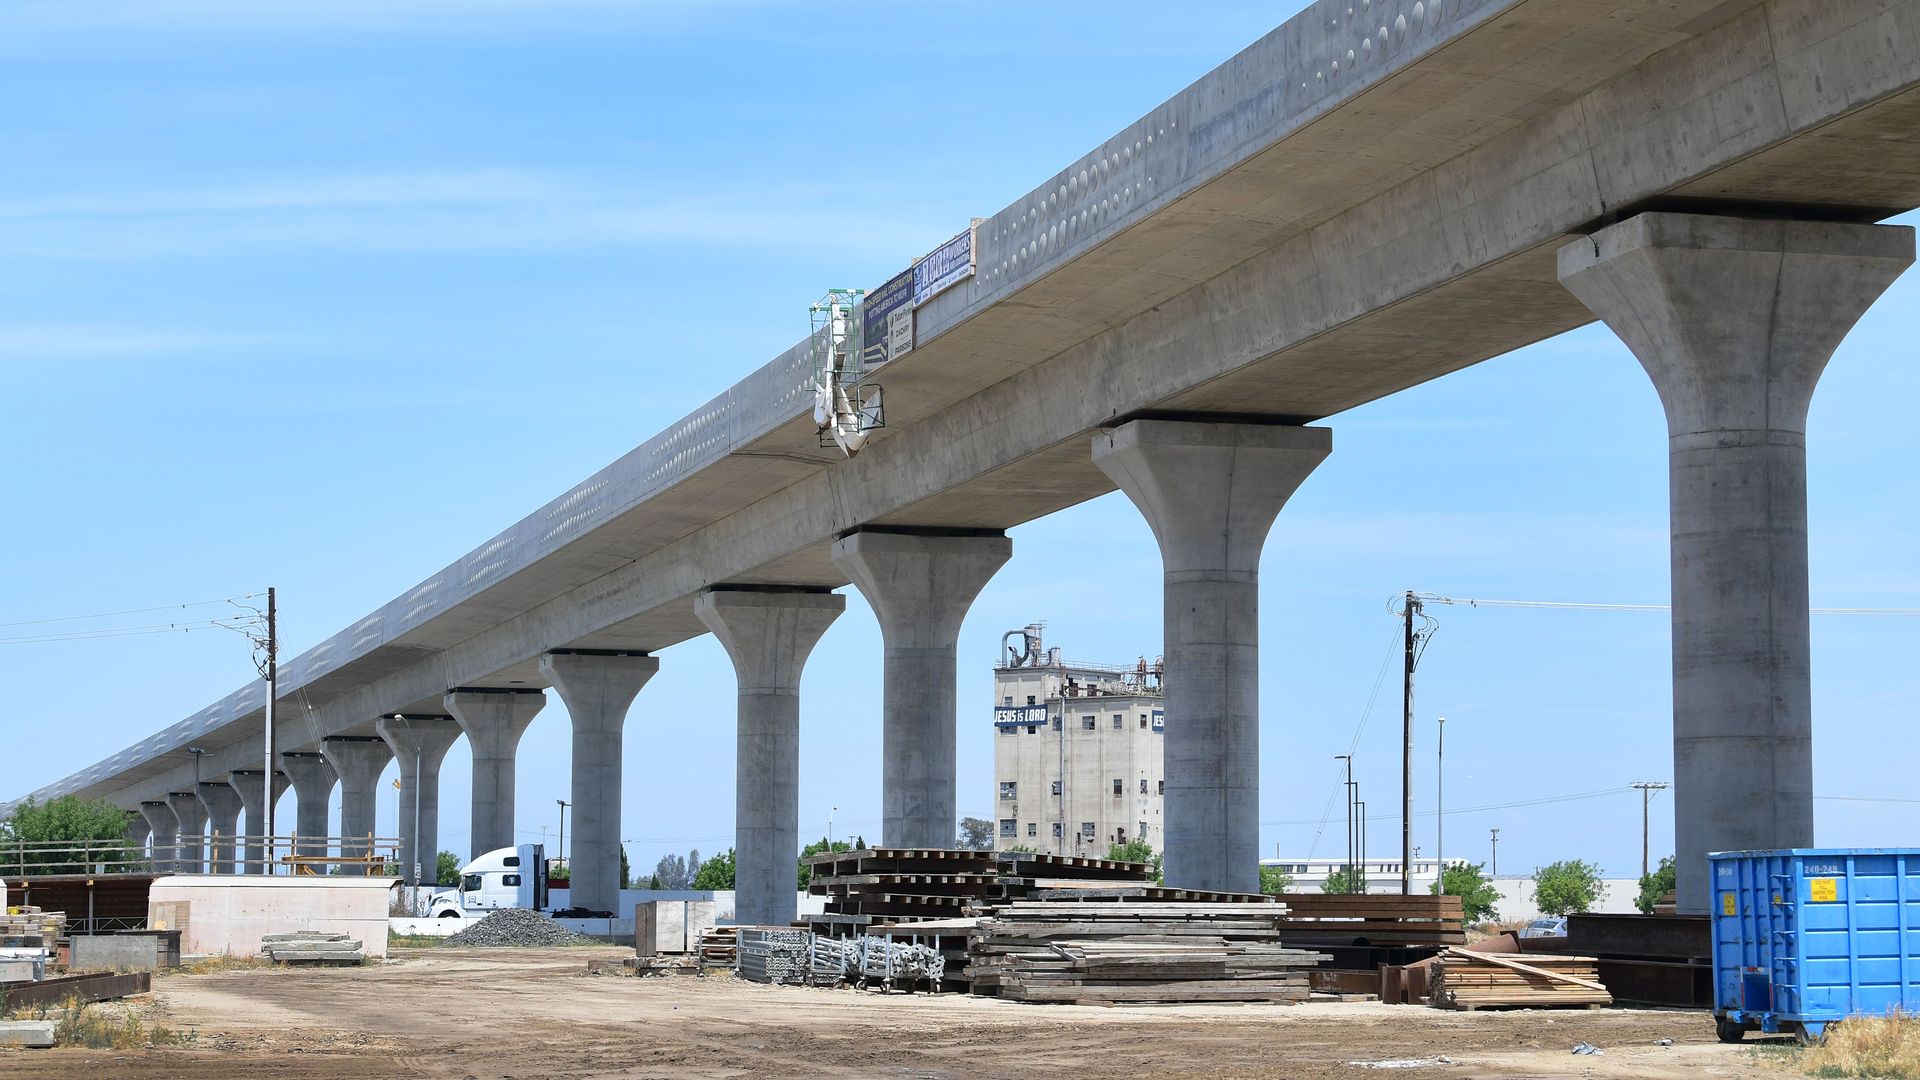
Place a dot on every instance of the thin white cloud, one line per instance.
(437, 211)
(45, 342)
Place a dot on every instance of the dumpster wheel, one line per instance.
(1729, 1031)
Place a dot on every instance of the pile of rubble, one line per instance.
(314, 947)
(515, 926)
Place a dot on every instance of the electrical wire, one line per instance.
(132, 611)
(1563, 605)
(122, 631)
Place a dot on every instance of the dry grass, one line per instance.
(211, 965)
(77, 1023)
(1868, 1046)
(413, 941)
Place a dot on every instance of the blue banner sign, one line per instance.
(886, 316)
(1016, 715)
(947, 266)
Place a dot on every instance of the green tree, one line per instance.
(1655, 886)
(976, 834)
(654, 882)
(1136, 850)
(1347, 879)
(1473, 887)
(626, 872)
(819, 847)
(715, 873)
(446, 869)
(69, 835)
(1567, 886)
(1274, 881)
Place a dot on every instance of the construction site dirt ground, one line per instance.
(534, 1013)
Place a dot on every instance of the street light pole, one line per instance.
(1348, 788)
(1440, 804)
(1496, 854)
(563, 834)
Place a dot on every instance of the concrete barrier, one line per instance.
(227, 914)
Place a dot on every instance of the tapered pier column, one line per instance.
(313, 779)
(165, 830)
(191, 843)
(1210, 492)
(420, 744)
(598, 688)
(768, 634)
(494, 720)
(1734, 319)
(920, 586)
(359, 760)
(137, 831)
(246, 783)
(223, 816)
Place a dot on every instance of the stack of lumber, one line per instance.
(28, 927)
(315, 947)
(1468, 980)
(899, 884)
(1104, 952)
(1376, 919)
(718, 946)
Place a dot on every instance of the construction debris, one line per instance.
(1469, 980)
(718, 946)
(312, 947)
(511, 927)
(34, 1034)
(1105, 952)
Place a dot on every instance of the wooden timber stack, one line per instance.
(1375, 919)
(1467, 980)
(1105, 952)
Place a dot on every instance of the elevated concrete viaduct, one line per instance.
(1376, 194)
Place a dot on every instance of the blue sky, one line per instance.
(324, 294)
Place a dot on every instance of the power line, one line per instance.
(1564, 605)
(130, 631)
(132, 611)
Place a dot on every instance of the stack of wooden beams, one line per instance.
(1467, 980)
(719, 945)
(1375, 919)
(898, 884)
(1106, 952)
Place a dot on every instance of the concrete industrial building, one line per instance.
(1077, 751)
(1353, 205)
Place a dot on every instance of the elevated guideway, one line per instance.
(1370, 197)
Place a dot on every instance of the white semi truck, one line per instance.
(511, 877)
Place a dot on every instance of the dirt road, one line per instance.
(525, 1014)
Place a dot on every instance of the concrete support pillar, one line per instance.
(246, 783)
(190, 844)
(1210, 492)
(138, 830)
(768, 634)
(494, 720)
(1735, 319)
(359, 759)
(420, 744)
(313, 779)
(223, 814)
(597, 688)
(920, 587)
(163, 829)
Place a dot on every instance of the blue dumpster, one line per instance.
(1803, 937)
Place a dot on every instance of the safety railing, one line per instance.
(213, 853)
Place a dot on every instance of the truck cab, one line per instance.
(511, 877)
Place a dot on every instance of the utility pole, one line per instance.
(1348, 788)
(563, 833)
(1411, 609)
(273, 694)
(1646, 789)
(1496, 854)
(1362, 814)
(1440, 802)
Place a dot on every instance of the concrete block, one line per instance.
(670, 926)
(37, 1034)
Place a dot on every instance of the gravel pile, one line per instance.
(515, 926)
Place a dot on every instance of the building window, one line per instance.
(1056, 723)
(1009, 789)
(1086, 830)
(1009, 730)
(1119, 721)
(1056, 830)
(1119, 788)
(1056, 788)
(1143, 721)
(1033, 729)
(1143, 830)
(1143, 786)
(1160, 787)
(1030, 700)
(1033, 829)
(1086, 723)
(1119, 836)
(1006, 826)
(1008, 700)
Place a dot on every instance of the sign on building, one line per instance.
(886, 316)
(943, 268)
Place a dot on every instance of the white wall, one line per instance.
(1516, 897)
